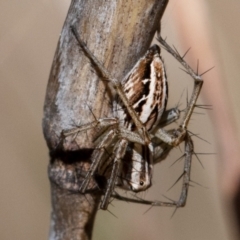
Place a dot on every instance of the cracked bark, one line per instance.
(118, 33)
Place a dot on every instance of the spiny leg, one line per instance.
(161, 148)
(189, 149)
(198, 82)
(117, 86)
(101, 123)
(96, 158)
(119, 154)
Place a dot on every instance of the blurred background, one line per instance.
(29, 32)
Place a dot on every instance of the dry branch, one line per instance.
(118, 33)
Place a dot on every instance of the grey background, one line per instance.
(29, 32)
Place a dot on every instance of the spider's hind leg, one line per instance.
(189, 149)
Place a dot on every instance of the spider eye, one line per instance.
(141, 183)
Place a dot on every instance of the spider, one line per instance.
(135, 136)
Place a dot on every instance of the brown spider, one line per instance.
(136, 135)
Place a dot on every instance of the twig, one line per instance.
(118, 33)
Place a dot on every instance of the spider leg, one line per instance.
(179, 134)
(169, 116)
(189, 149)
(101, 123)
(119, 154)
(161, 148)
(117, 86)
(96, 158)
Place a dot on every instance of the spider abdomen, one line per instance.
(146, 89)
(147, 92)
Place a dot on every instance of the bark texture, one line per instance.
(117, 33)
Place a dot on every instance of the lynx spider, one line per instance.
(138, 131)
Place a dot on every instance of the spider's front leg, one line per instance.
(178, 136)
(116, 85)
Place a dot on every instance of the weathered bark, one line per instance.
(118, 33)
